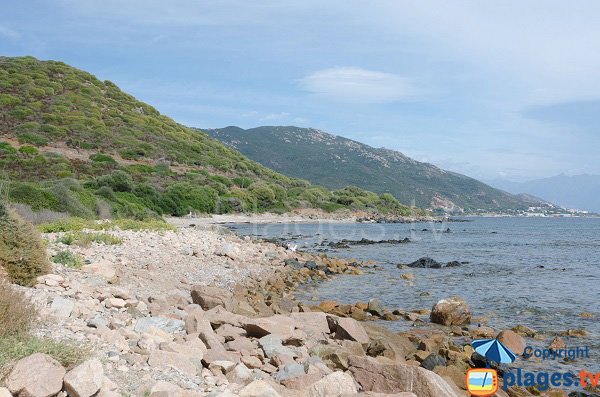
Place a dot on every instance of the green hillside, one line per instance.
(334, 162)
(74, 144)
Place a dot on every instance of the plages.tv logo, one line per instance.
(483, 382)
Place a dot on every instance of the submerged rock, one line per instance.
(428, 263)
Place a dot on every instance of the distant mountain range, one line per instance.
(336, 162)
(579, 192)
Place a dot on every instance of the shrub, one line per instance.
(242, 182)
(263, 194)
(77, 224)
(118, 181)
(33, 138)
(16, 311)
(68, 259)
(22, 252)
(28, 150)
(188, 197)
(9, 100)
(222, 179)
(65, 225)
(86, 239)
(102, 158)
(330, 207)
(32, 195)
(6, 148)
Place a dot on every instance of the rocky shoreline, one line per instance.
(202, 312)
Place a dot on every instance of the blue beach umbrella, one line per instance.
(494, 350)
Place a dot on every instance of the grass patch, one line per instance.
(79, 224)
(17, 314)
(14, 348)
(68, 259)
(84, 239)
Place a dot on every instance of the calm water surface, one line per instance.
(540, 272)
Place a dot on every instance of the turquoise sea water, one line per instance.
(539, 272)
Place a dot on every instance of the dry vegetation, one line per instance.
(16, 312)
(22, 253)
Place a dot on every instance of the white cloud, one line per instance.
(353, 84)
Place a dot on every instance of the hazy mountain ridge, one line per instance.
(335, 161)
(578, 191)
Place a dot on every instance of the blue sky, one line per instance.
(506, 89)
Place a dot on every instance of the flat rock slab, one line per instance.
(279, 325)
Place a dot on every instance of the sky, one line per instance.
(506, 89)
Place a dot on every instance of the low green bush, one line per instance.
(77, 224)
(7, 148)
(32, 138)
(86, 239)
(102, 158)
(28, 150)
(68, 259)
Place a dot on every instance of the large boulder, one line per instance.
(209, 337)
(258, 388)
(512, 340)
(375, 307)
(451, 311)
(62, 307)
(333, 385)
(272, 346)
(209, 297)
(84, 380)
(393, 378)
(348, 328)
(163, 323)
(38, 375)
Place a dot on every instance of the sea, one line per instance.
(540, 272)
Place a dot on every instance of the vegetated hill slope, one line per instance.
(335, 161)
(72, 143)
